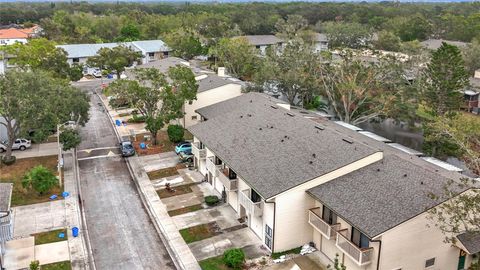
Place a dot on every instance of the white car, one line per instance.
(19, 144)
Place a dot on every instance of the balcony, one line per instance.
(362, 256)
(212, 167)
(6, 228)
(197, 151)
(230, 184)
(253, 208)
(327, 230)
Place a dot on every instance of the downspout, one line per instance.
(274, 229)
(379, 251)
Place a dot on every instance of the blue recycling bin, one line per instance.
(75, 231)
(142, 145)
(110, 76)
(118, 122)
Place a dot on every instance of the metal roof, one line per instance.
(442, 164)
(374, 136)
(347, 125)
(405, 149)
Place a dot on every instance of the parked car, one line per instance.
(127, 148)
(19, 144)
(184, 157)
(183, 147)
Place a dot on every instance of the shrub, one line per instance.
(69, 138)
(40, 179)
(211, 200)
(175, 133)
(34, 265)
(234, 258)
(9, 161)
(137, 119)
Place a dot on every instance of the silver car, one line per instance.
(19, 144)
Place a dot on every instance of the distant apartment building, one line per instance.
(212, 87)
(263, 42)
(297, 178)
(151, 50)
(17, 34)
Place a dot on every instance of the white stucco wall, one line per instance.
(11, 41)
(207, 98)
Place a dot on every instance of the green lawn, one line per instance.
(199, 232)
(165, 172)
(215, 263)
(49, 237)
(291, 251)
(66, 265)
(179, 190)
(184, 210)
(15, 173)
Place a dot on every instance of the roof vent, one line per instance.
(259, 128)
(251, 101)
(281, 140)
(319, 127)
(271, 126)
(290, 114)
(311, 162)
(241, 116)
(314, 155)
(347, 140)
(249, 115)
(421, 183)
(275, 107)
(378, 169)
(405, 175)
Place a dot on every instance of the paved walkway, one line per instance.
(38, 150)
(39, 217)
(159, 161)
(223, 215)
(52, 252)
(189, 199)
(215, 246)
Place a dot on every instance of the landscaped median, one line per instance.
(50, 237)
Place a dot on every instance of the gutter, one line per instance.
(274, 218)
(379, 251)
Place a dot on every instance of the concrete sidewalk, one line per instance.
(38, 150)
(39, 217)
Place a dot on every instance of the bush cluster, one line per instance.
(175, 133)
(211, 200)
(234, 258)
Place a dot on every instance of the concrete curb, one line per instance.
(91, 259)
(174, 254)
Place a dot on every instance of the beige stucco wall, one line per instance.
(207, 98)
(409, 245)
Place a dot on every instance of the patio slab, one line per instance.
(223, 215)
(52, 252)
(40, 217)
(215, 246)
(19, 253)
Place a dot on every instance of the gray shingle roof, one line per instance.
(234, 104)
(5, 196)
(274, 149)
(471, 241)
(382, 195)
(89, 50)
(434, 44)
(321, 37)
(257, 40)
(211, 80)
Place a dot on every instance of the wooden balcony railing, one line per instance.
(327, 230)
(197, 152)
(251, 207)
(362, 256)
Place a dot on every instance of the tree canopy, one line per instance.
(114, 59)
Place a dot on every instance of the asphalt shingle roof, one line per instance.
(471, 241)
(257, 40)
(274, 149)
(5, 196)
(89, 50)
(382, 195)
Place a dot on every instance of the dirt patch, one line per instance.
(178, 190)
(200, 232)
(163, 144)
(15, 173)
(166, 172)
(184, 210)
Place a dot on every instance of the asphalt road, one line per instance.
(121, 233)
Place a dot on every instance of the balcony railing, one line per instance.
(253, 208)
(197, 152)
(6, 228)
(327, 230)
(212, 168)
(230, 184)
(362, 256)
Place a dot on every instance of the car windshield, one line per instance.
(127, 145)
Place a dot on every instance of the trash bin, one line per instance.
(110, 76)
(75, 231)
(118, 122)
(142, 145)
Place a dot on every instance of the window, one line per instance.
(194, 117)
(268, 236)
(231, 174)
(359, 239)
(151, 54)
(430, 262)
(328, 216)
(255, 197)
(76, 60)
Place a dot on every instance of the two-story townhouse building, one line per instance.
(263, 42)
(212, 87)
(297, 179)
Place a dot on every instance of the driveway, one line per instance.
(121, 233)
(38, 150)
(39, 217)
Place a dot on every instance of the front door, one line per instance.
(461, 260)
